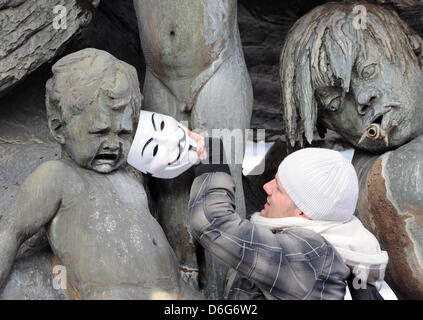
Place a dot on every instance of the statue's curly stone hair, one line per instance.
(83, 75)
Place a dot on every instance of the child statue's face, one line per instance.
(100, 136)
(381, 96)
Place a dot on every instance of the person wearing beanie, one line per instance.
(304, 244)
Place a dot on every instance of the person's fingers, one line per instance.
(201, 145)
(194, 135)
(198, 138)
(204, 155)
(201, 151)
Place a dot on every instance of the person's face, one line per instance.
(100, 136)
(279, 204)
(380, 93)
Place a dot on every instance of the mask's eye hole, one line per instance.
(162, 125)
(156, 148)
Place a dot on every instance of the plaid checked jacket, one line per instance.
(289, 264)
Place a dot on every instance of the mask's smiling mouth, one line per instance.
(181, 146)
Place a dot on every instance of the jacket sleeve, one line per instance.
(256, 252)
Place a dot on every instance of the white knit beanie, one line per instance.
(321, 182)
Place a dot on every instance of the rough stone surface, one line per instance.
(390, 205)
(25, 140)
(32, 279)
(28, 37)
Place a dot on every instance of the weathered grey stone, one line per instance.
(390, 205)
(25, 140)
(32, 279)
(27, 35)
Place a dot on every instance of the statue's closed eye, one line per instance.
(100, 131)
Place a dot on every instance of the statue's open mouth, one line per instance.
(106, 158)
(375, 131)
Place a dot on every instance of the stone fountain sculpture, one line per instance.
(195, 73)
(362, 76)
(96, 213)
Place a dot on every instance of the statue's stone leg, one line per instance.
(225, 102)
(171, 196)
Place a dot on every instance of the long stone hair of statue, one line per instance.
(321, 49)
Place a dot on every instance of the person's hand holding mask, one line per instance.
(201, 148)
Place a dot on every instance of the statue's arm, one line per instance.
(35, 204)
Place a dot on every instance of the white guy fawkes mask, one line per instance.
(161, 146)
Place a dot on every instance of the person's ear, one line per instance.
(56, 128)
(55, 122)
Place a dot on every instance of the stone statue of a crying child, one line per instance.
(364, 80)
(97, 217)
